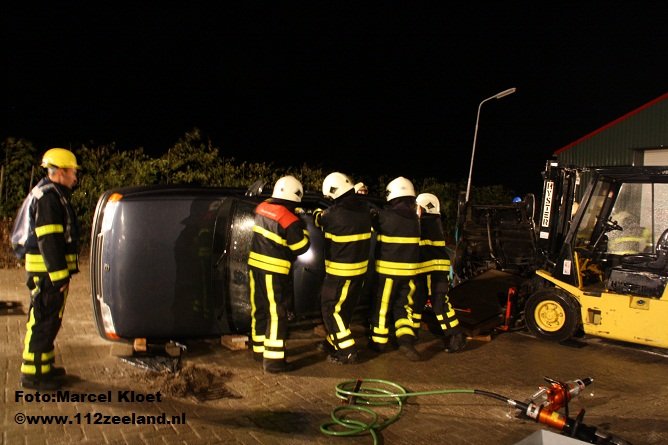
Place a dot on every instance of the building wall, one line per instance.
(622, 141)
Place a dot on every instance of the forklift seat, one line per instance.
(657, 263)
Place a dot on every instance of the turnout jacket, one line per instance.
(398, 238)
(52, 247)
(279, 236)
(347, 230)
(433, 255)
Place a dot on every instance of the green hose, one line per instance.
(357, 400)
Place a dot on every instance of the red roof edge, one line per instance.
(615, 122)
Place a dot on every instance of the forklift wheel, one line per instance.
(552, 314)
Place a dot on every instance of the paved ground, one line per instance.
(628, 398)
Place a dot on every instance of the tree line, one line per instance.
(191, 160)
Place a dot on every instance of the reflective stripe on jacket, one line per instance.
(278, 237)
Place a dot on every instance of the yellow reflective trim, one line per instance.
(343, 334)
(428, 242)
(406, 330)
(337, 310)
(347, 344)
(59, 275)
(399, 239)
(442, 265)
(270, 235)
(384, 304)
(274, 343)
(48, 229)
(346, 269)
(46, 356)
(271, 264)
(32, 369)
(394, 268)
(379, 340)
(301, 243)
(275, 355)
(348, 238)
(273, 314)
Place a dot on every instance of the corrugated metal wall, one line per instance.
(622, 141)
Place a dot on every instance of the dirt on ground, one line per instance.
(191, 381)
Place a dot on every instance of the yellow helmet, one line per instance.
(60, 158)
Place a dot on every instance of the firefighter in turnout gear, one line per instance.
(51, 258)
(432, 282)
(347, 231)
(397, 262)
(279, 236)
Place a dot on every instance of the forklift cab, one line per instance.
(618, 223)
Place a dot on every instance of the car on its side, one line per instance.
(170, 262)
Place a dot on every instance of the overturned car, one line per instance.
(169, 262)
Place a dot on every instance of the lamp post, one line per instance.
(503, 93)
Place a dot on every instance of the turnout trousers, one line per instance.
(269, 298)
(432, 288)
(339, 297)
(392, 307)
(47, 304)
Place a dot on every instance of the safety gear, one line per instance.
(361, 188)
(399, 187)
(276, 366)
(60, 158)
(410, 352)
(343, 357)
(429, 202)
(335, 185)
(42, 383)
(289, 188)
(455, 342)
(517, 199)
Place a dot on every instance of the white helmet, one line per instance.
(399, 187)
(289, 188)
(335, 185)
(361, 188)
(429, 202)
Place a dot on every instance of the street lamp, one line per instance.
(503, 93)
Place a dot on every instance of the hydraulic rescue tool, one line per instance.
(356, 416)
(544, 404)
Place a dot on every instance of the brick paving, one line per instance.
(629, 396)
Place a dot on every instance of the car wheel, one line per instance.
(553, 315)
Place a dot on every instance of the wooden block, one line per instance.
(480, 337)
(139, 345)
(234, 342)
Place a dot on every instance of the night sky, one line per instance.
(368, 88)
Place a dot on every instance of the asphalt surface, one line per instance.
(629, 396)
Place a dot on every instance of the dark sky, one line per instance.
(369, 88)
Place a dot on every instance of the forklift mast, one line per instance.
(560, 186)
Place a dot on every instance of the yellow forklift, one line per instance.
(588, 260)
(605, 256)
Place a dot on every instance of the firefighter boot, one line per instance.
(57, 372)
(276, 366)
(407, 347)
(41, 383)
(454, 342)
(346, 356)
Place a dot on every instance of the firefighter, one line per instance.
(279, 236)
(432, 282)
(347, 232)
(397, 261)
(51, 259)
